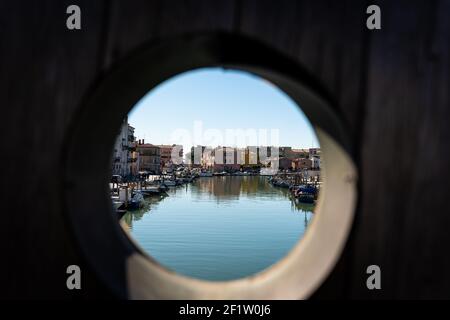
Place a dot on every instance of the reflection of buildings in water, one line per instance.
(225, 188)
(252, 185)
(232, 187)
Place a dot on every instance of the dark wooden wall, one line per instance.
(391, 86)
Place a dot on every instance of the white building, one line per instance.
(315, 162)
(124, 160)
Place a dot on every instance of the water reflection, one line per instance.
(220, 228)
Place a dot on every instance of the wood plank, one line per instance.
(131, 26)
(187, 16)
(403, 219)
(46, 69)
(391, 87)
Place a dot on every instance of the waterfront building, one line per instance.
(285, 152)
(257, 156)
(187, 158)
(226, 159)
(196, 158)
(208, 158)
(124, 156)
(221, 159)
(252, 158)
(299, 153)
(314, 151)
(284, 163)
(315, 162)
(301, 164)
(149, 157)
(132, 159)
(168, 158)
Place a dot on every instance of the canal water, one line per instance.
(220, 228)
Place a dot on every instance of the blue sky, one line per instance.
(207, 106)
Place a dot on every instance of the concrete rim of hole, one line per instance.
(121, 264)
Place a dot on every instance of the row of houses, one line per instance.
(230, 159)
(131, 156)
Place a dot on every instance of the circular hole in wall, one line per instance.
(125, 267)
(215, 174)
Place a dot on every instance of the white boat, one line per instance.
(169, 183)
(162, 187)
(205, 174)
(116, 205)
(136, 202)
(149, 190)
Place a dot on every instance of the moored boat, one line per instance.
(305, 193)
(170, 183)
(149, 191)
(205, 174)
(136, 202)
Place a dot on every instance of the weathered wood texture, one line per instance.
(45, 71)
(391, 87)
(404, 217)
